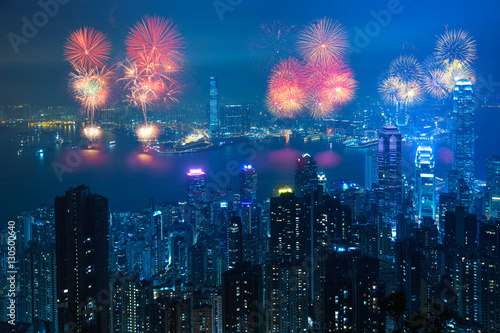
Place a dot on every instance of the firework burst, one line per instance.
(286, 94)
(406, 68)
(329, 87)
(323, 41)
(87, 49)
(91, 89)
(389, 90)
(92, 133)
(147, 132)
(273, 43)
(155, 40)
(456, 45)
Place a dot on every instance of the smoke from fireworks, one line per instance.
(273, 43)
(155, 40)
(87, 49)
(456, 45)
(323, 41)
(329, 86)
(286, 93)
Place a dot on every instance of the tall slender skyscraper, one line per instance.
(462, 133)
(425, 183)
(248, 183)
(214, 106)
(306, 175)
(195, 187)
(82, 261)
(493, 186)
(390, 173)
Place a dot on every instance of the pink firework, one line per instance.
(287, 94)
(87, 49)
(330, 86)
(323, 41)
(155, 40)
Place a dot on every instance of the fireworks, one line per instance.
(329, 87)
(91, 89)
(286, 94)
(92, 133)
(456, 45)
(155, 40)
(147, 132)
(406, 68)
(272, 44)
(389, 90)
(87, 49)
(323, 41)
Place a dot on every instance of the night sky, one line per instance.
(37, 73)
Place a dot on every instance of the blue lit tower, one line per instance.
(390, 172)
(425, 183)
(306, 175)
(214, 106)
(195, 187)
(248, 183)
(493, 186)
(462, 133)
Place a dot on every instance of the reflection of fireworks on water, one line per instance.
(273, 43)
(87, 49)
(147, 132)
(456, 45)
(329, 87)
(91, 89)
(92, 133)
(323, 41)
(286, 93)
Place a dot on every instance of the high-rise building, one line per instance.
(390, 173)
(462, 133)
(248, 183)
(195, 187)
(306, 175)
(371, 169)
(242, 299)
(235, 242)
(39, 284)
(214, 106)
(425, 183)
(81, 220)
(493, 186)
(234, 120)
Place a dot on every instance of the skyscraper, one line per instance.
(306, 175)
(390, 173)
(493, 186)
(371, 169)
(248, 183)
(214, 106)
(195, 187)
(425, 183)
(235, 242)
(234, 120)
(462, 133)
(82, 260)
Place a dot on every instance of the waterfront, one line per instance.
(129, 177)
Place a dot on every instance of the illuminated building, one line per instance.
(462, 133)
(235, 242)
(82, 260)
(248, 183)
(234, 120)
(214, 106)
(195, 187)
(306, 175)
(425, 183)
(493, 186)
(242, 299)
(371, 170)
(390, 173)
